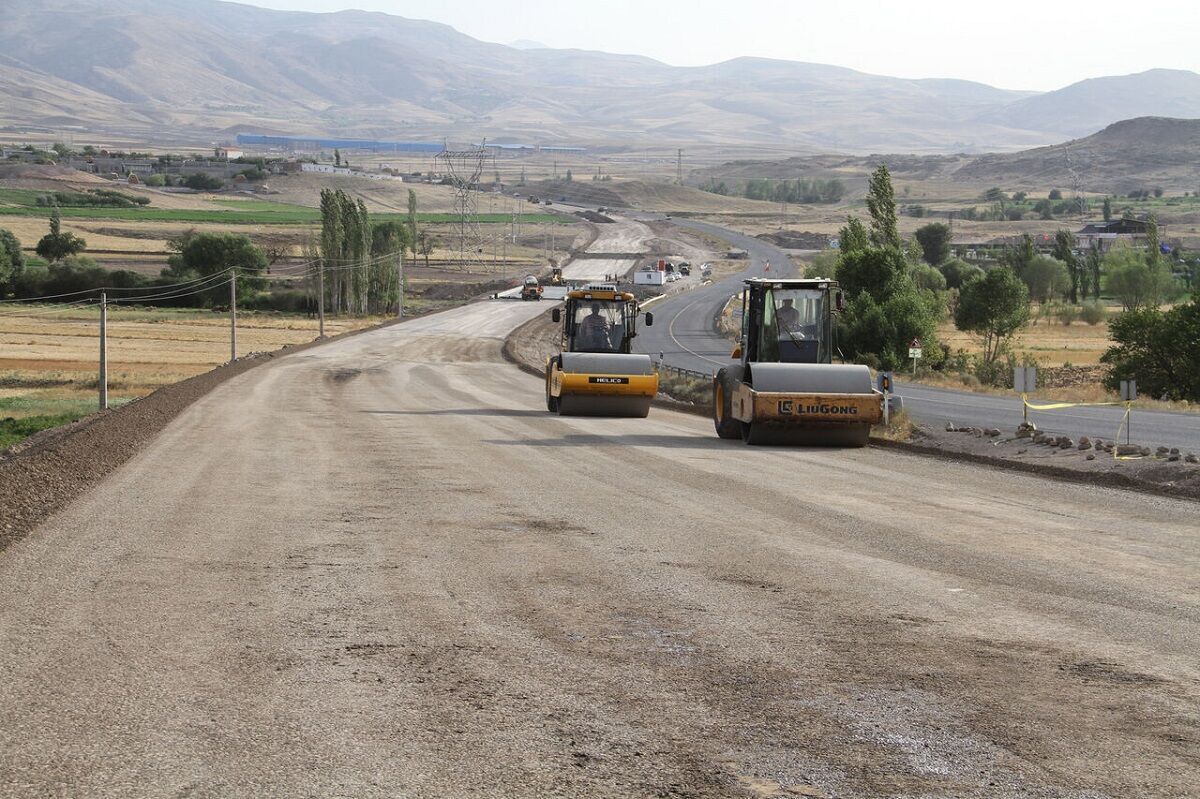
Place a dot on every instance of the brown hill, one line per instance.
(188, 70)
(1135, 153)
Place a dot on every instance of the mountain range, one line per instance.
(202, 69)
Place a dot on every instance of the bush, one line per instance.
(157, 179)
(823, 265)
(1065, 314)
(1093, 312)
(958, 273)
(1160, 349)
(929, 278)
(201, 182)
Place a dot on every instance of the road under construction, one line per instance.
(378, 567)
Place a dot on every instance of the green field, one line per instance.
(23, 202)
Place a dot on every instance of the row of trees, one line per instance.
(900, 290)
(360, 258)
(810, 192)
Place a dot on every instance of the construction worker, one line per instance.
(594, 329)
(788, 316)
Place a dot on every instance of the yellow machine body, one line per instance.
(590, 377)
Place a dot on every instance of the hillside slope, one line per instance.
(190, 69)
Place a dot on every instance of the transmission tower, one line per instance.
(464, 168)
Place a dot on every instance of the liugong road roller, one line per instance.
(594, 372)
(786, 388)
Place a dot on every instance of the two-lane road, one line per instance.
(684, 329)
(685, 333)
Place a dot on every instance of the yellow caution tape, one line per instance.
(1056, 405)
(1052, 406)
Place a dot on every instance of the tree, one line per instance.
(935, 242)
(1055, 194)
(412, 221)
(853, 236)
(426, 245)
(993, 308)
(1064, 244)
(881, 332)
(958, 273)
(57, 245)
(1133, 280)
(1107, 209)
(1094, 265)
(204, 255)
(570, 177)
(1019, 257)
(928, 277)
(875, 271)
(1046, 278)
(1152, 243)
(337, 157)
(201, 182)
(881, 204)
(1160, 349)
(12, 262)
(995, 195)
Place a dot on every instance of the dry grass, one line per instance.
(48, 362)
(1047, 341)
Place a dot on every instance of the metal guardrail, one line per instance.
(689, 373)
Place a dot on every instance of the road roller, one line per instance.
(786, 388)
(595, 373)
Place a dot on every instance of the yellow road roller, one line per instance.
(786, 388)
(594, 373)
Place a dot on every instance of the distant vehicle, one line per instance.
(547, 202)
(670, 268)
(534, 200)
(530, 290)
(685, 269)
(602, 210)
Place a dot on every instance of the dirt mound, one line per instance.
(592, 216)
(575, 193)
(796, 240)
(465, 291)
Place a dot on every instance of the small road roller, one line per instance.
(594, 373)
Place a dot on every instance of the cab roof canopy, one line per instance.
(791, 283)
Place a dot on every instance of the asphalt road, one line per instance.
(378, 568)
(685, 334)
(1149, 428)
(683, 330)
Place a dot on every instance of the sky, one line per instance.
(1013, 44)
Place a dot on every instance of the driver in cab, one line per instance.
(788, 316)
(594, 329)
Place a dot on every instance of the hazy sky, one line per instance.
(1014, 44)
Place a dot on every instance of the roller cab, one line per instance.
(786, 390)
(594, 372)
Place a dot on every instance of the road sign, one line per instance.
(1025, 379)
(1128, 390)
(914, 352)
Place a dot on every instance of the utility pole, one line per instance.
(233, 317)
(321, 299)
(103, 351)
(679, 166)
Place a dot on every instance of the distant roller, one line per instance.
(786, 390)
(594, 372)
